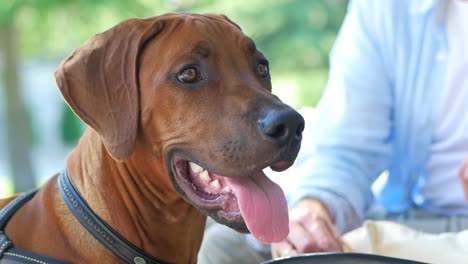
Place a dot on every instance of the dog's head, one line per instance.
(197, 92)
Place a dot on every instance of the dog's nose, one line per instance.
(282, 126)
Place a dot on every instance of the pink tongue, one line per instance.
(263, 207)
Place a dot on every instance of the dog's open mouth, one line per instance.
(249, 203)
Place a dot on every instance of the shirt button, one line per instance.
(423, 122)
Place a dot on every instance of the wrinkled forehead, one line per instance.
(203, 34)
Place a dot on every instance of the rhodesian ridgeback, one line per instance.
(181, 123)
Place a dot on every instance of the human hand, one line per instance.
(463, 177)
(311, 229)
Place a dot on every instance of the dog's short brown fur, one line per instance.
(124, 84)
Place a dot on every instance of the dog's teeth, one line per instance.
(215, 185)
(195, 168)
(204, 176)
(226, 189)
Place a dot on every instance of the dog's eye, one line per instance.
(262, 69)
(189, 75)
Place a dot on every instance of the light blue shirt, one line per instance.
(377, 113)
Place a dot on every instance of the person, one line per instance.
(463, 176)
(394, 107)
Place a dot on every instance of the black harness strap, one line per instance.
(17, 255)
(8, 211)
(5, 243)
(5, 215)
(102, 231)
(9, 254)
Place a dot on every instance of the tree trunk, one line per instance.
(18, 127)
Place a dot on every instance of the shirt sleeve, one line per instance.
(349, 144)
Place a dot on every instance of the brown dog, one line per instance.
(173, 103)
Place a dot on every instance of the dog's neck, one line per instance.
(138, 199)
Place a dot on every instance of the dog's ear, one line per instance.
(99, 81)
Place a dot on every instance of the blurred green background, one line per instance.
(37, 129)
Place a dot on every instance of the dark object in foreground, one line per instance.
(340, 258)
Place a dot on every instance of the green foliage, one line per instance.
(34, 136)
(296, 35)
(8, 10)
(6, 187)
(71, 126)
(52, 28)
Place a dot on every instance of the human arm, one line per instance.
(349, 145)
(463, 177)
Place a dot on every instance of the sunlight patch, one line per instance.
(6, 187)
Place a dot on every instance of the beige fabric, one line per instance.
(396, 240)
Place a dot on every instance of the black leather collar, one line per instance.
(104, 233)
